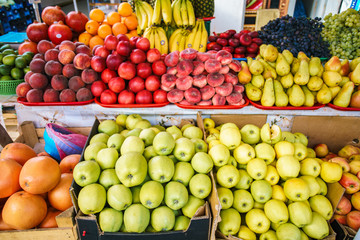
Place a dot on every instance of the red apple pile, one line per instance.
(241, 44)
(59, 73)
(195, 78)
(130, 71)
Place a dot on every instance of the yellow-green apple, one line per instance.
(300, 151)
(107, 157)
(136, 218)
(92, 198)
(301, 138)
(124, 132)
(185, 126)
(212, 130)
(151, 194)
(183, 173)
(134, 132)
(163, 143)
(246, 233)
(342, 162)
(355, 200)
(350, 182)
(226, 197)
(311, 154)
(265, 151)
(162, 219)
(202, 162)
(300, 213)
(92, 150)
(313, 185)
(340, 218)
(257, 168)
(147, 135)
(354, 157)
(161, 168)
(174, 131)
(176, 195)
(108, 178)
(86, 172)
(232, 161)
(200, 185)
(244, 181)
(318, 228)
(200, 145)
(276, 211)
(321, 150)
(270, 135)
(131, 121)
(257, 221)
(155, 129)
(310, 167)
(269, 235)
(323, 186)
(220, 154)
(243, 201)
(321, 205)
(228, 176)
(354, 166)
(208, 123)
(353, 219)
(131, 169)
(115, 141)
(288, 231)
(99, 137)
(250, 134)
(192, 206)
(121, 120)
(110, 220)
(278, 193)
(132, 144)
(259, 205)
(193, 132)
(230, 221)
(109, 127)
(149, 152)
(288, 167)
(272, 175)
(287, 136)
(213, 143)
(143, 124)
(119, 197)
(230, 137)
(283, 148)
(330, 172)
(344, 205)
(296, 189)
(347, 151)
(213, 136)
(261, 191)
(244, 153)
(184, 149)
(229, 125)
(181, 223)
(136, 193)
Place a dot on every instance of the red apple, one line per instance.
(126, 97)
(108, 74)
(342, 162)
(340, 218)
(343, 207)
(116, 84)
(122, 37)
(136, 84)
(108, 97)
(353, 220)
(153, 55)
(234, 42)
(321, 150)
(102, 52)
(137, 56)
(143, 70)
(123, 48)
(350, 182)
(143, 44)
(355, 200)
(159, 67)
(245, 39)
(133, 41)
(127, 70)
(143, 97)
(114, 60)
(258, 41)
(97, 88)
(252, 48)
(152, 83)
(160, 96)
(110, 42)
(98, 63)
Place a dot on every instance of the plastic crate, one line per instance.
(8, 87)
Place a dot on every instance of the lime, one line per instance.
(5, 46)
(9, 60)
(28, 56)
(1, 56)
(8, 51)
(5, 70)
(5, 78)
(27, 69)
(20, 62)
(17, 73)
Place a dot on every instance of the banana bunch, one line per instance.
(177, 40)
(162, 10)
(144, 13)
(157, 38)
(197, 39)
(183, 13)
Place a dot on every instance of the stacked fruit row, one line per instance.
(34, 188)
(146, 178)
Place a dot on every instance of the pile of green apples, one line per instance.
(269, 183)
(281, 79)
(137, 177)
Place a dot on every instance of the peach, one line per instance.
(199, 81)
(218, 100)
(83, 94)
(39, 55)
(69, 70)
(83, 49)
(235, 65)
(224, 69)
(172, 59)
(66, 56)
(199, 67)
(205, 103)
(175, 95)
(44, 45)
(215, 79)
(207, 92)
(27, 76)
(184, 83)
(234, 98)
(224, 89)
(184, 68)
(212, 66)
(67, 95)
(184, 102)
(37, 65)
(51, 95)
(34, 95)
(75, 83)
(51, 54)
(38, 81)
(82, 61)
(188, 54)
(22, 89)
(224, 57)
(239, 88)
(231, 78)
(168, 81)
(53, 68)
(59, 82)
(353, 219)
(192, 95)
(212, 54)
(79, 44)
(89, 76)
(66, 44)
(172, 70)
(202, 56)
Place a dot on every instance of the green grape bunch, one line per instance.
(342, 31)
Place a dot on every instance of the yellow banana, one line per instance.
(174, 35)
(140, 12)
(149, 11)
(196, 43)
(176, 13)
(184, 14)
(146, 33)
(157, 39)
(174, 45)
(182, 43)
(166, 11)
(150, 35)
(191, 13)
(163, 40)
(191, 37)
(204, 38)
(156, 18)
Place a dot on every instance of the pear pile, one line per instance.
(269, 183)
(148, 178)
(281, 79)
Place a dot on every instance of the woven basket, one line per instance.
(8, 87)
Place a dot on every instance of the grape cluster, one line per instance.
(296, 34)
(342, 31)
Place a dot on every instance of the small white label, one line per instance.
(58, 35)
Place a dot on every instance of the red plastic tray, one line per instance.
(213, 106)
(116, 105)
(343, 108)
(258, 105)
(26, 103)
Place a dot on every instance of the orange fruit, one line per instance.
(131, 22)
(85, 38)
(104, 30)
(92, 26)
(17, 151)
(119, 28)
(134, 33)
(95, 40)
(113, 18)
(124, 9)
(97, 15)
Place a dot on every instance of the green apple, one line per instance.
(108, 178)
(301, 138)
(92, 150)
(300, 151)
(132, 120)
(303, 236)
(257, 168)
(284, 148)
(149, 152)
(265, 151)
(109, 127)
(200, 185)
(174, 131)
(99, 137)
(208, 123)
(200, 145)
(321, 205)
(121, 120)
(193, 132)
(124, 133)
(110, 220)
(202, 162)
(311, 153)
(161, 128)
(181, 223)
(185, 126)
(155, 129)
(213, 136)
(229, 125)
(310, 167)
(230, 221)
(244, 181)
(257, 221)
(232, 161)
(192, 206)
(135, 191)
(246, 233)
(318, 228)
(323, 186)
(243, 201)
(92, 198)
(163, 143)
(230, 137)
(136, 218)
(228, 176)
(261, 191)
(133, 132)
(313, 185)
(288, 167)
(259, 205)
(226, 197)
(269, 235)
(183, 173)
(147, 135)
(244, 153)
(331, 172)
(119, 197)
(161, 168)
(272, 175)
(288, 231)
(132, 144)
(274, 226)
(176, 195)
(86, 172)
(151, 194)
(270, 135)
(173, 158)
(296, 189)
(276, 211)
(162, 219)
(115, 141)
(131, 169)
(184, 149)
(220, 154)
(143, 124)
(278, 193)
(250, 134)
(107, 157)
(287, 136)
